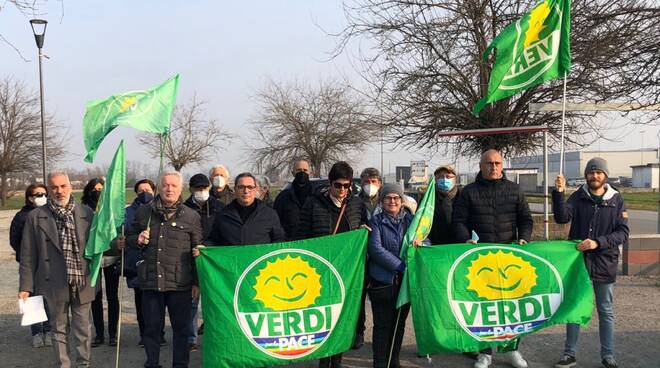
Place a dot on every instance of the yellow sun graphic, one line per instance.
(288, 283)
(423, 228)
(127, 103)
(536, 19)
(501, 276)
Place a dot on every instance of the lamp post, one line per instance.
(39, 31)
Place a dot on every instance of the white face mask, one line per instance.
(219, 182)
(40, 201)
(370, 190)
(201, 196)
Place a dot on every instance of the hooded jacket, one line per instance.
(207, 212)
(606, 223)
(496, 210)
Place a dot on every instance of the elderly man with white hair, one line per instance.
(166, 231)
(219, 176)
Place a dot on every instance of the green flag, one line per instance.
(109, 215)
(281, 303)
(419, 229)
(534, 49)
(148, 111)
(468, 297)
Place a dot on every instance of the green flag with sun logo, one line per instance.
(469, 297)
(149, 111)
(281, 303)
(534, 49)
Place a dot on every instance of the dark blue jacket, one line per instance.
(384, 245)
(132, 256)
(16, 229)
(606, 223)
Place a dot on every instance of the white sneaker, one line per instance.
(516, 359)
(483, 361)
(37, 341)
(48, 340)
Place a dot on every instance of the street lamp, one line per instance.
(39, 31)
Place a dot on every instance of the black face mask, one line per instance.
(94, 197)
(301, 178)
(145, 197)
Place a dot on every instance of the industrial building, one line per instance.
(620, 163)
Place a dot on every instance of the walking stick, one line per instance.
(121, 299)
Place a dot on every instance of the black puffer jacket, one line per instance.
(317, 217)
(168, 263)
(206, 212)
(495, 209)
(441, 230)
(16, 229)
(606, 223)
(288, 208)
(261, 227)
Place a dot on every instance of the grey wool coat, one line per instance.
(42, 269)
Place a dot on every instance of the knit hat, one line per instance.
(391, 188)
(597, 163)
(199, 180)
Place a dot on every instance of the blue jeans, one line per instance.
(605, 306)
(192, 338)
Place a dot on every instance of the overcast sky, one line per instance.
(223, 50)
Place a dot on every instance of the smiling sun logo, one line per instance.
(288, 283)
(501, 275)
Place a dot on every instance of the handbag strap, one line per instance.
(341, 214)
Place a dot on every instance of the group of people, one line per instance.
(163, 233)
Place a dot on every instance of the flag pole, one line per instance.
(563, 124)
(396, 326)
(121, 299)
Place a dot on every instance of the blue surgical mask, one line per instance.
(445, 184)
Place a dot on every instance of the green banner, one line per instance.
(534, 49)
(467, 298)
(148, 111)
(110, 213)
(280, 303)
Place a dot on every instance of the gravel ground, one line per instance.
(636, 314)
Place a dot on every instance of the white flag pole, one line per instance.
(563, 124)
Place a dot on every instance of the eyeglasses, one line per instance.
(338, 185)
(392, 198)
(39, 195)
(247, 188)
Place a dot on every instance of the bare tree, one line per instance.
(20, 133)
(426, 71)
(193, 136)
(322, 124)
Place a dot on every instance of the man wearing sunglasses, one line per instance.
(332, 210)
(246, 220)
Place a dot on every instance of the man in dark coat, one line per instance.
(207, 207)
(598, 217)
(331, 211)
(166, 231)
(219, 176)
(290, 200)
(446, 193)
(246, 220)
(52, 265)
(497, 211)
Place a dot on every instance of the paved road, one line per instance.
(641, 222)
